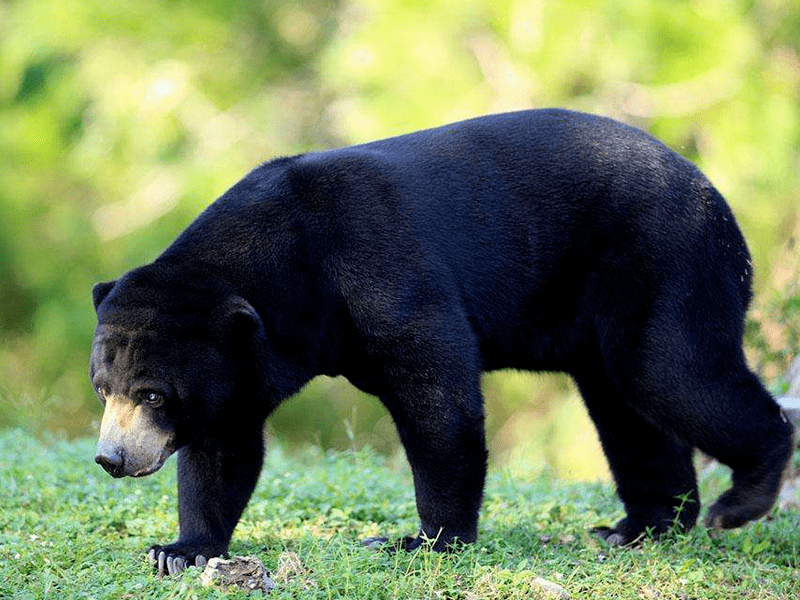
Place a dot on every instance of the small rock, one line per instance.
(566, 539)
(246, 572)
(650, 592)
(550, 589)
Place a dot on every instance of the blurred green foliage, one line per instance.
(120, 121)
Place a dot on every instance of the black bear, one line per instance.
(540, 240)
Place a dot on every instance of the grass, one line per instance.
(69, 531)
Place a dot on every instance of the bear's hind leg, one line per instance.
(652, 469)
(718, 405)
(750, 434)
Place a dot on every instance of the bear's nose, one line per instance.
(112, 461)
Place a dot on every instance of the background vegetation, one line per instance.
(120, 121)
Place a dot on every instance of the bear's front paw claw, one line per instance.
(174, 562)
(166, 564)
(176, 565)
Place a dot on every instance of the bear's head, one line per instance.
(167, 359)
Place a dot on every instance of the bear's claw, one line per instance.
(168, 564)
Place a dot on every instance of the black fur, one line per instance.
(540, 240)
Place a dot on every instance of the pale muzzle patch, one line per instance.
(131, 443)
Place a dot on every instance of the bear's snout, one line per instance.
(131, 443)
(113, 461)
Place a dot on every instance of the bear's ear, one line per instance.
(100, 291)
(235, 320)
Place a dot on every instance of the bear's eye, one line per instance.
(152, 398)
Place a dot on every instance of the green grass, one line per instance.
(69, 531)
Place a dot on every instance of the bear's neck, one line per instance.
(272, 269)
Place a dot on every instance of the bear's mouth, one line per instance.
(119, 463)
(155, 466)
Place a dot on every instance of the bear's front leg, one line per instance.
(216, 477)
(441, 426)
